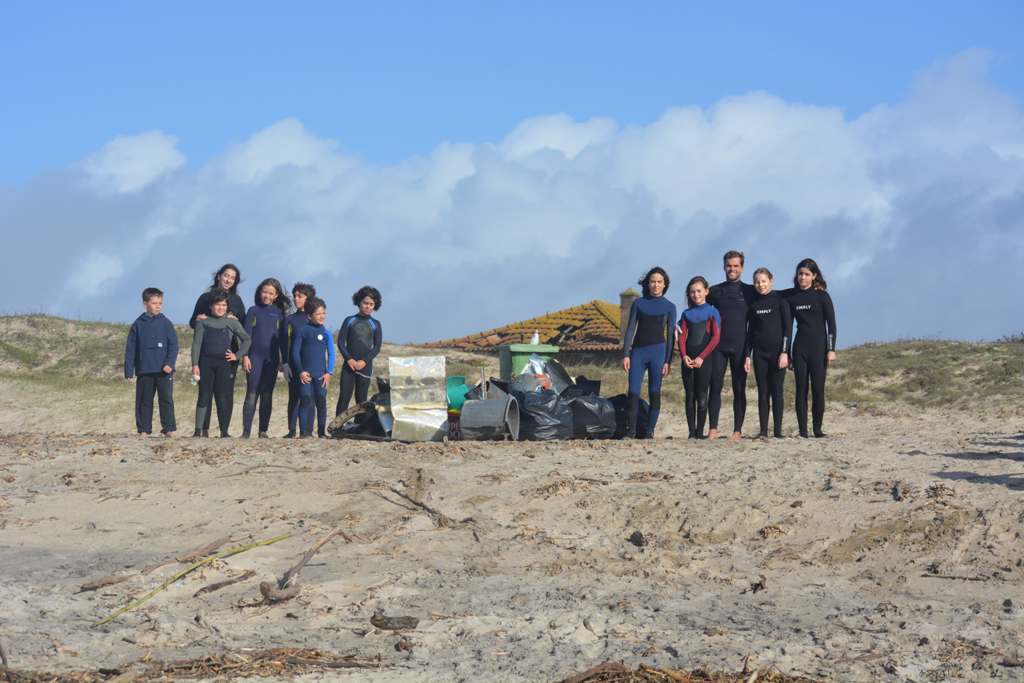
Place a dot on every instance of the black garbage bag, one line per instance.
(593, 417)
(621, 403)
(526, 383)
(543, 416)
(560, 379)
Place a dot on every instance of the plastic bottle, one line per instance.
(535, 339)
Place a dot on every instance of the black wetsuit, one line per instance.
(358, 339)
(214, 337)
(815, 337)
(236, 307)
(769, 330)
(732, 299)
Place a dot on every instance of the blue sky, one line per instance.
(486, 164)
(392, 79)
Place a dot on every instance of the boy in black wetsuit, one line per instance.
(359, 341)
(732, 298)
(149, 355)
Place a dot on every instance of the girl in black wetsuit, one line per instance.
(815, 344)
(769, 330)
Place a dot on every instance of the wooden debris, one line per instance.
(204, 550)
(247, 574)
(393, 623)
(288, 585)
(103, 582)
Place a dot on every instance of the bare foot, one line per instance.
(712, 433)
(735, 436)
(168, 434)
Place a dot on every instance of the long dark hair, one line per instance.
(282, 301)
(819, 279)
(645, 281)
(220, 271)
(694, 280)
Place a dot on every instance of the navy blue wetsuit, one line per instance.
(769, 330)
(358, 339)
(266, 327)
(152, 344)
(648, 342)
(700, 329)
(296, 321)
(815, 336)
(313, 352)
(732, 300)
(236, 307)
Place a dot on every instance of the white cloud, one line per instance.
(131, 162)
(561, 211)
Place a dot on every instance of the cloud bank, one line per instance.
(915, 211)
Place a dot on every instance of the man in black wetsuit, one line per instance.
(732, 298)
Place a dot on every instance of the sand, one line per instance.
(889, 551)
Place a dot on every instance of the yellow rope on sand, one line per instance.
(187, 570)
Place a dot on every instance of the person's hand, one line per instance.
(697, 362)
(326, 379)
(664, 370)
(625, 363)
(747, 364)
(831, 357)
(247, 363)
(232, 316)
(202, 316)
(352, 364)
(230, 355)
(687, 361)
(361, 364)
(168, 370)
(195, 372)
(783, 361)
(305, 377)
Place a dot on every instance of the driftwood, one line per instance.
(102, 583)
(204, 550)
(393, 623)
(247, 574)
(606, 668)
(440, 519)
(287, 587)
(188, 570)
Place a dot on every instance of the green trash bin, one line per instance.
(512, 357)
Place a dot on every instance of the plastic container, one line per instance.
(512, 357)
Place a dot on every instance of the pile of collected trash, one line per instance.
(542, 403)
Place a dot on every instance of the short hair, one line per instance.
(312, 304)
(645, 281)
(150, 292)
(732, 253)
(217, 295)
(367, 291)
(305, 289)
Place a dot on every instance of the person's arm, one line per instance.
(129, 351)
(630, 331)
(172, 346)
(248, 322)
(830, 320)
(343, 339)
(670, 334)
(297, 352)
(683, 332)
(282, 339)
(378, 341)
(787, 325)
(201, 308)
(330, 358)
(715, 321)
(748, 343)
(244, 340)
(197, 342)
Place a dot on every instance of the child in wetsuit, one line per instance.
(313, 357)
(265, 323)
(149, 355)
(301, 293)
(359, 341)
(213, 362)
(700, 328)
(769, 329)
(647, 348)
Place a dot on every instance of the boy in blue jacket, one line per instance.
(313, 358)
(149, 356)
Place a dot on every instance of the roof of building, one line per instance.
(593, 326)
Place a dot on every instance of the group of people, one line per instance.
(736, 326)
(277, 334)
